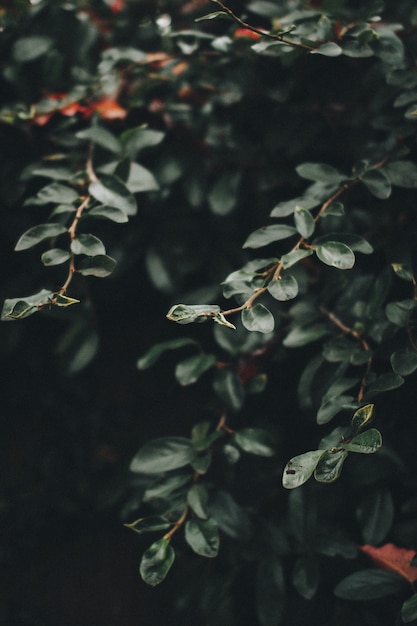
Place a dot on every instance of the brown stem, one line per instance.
(263, 33)
(177, 525)
(361, 340)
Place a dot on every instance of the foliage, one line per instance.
(164, 146)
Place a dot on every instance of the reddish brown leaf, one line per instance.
(392, 558)
(246, 32)
(109, 109)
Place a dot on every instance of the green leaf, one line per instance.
(332, 407)
(402, 173)
(38, 233)
(258, 318)
(330, 466)
(212, 16)
(162, 455)
(404, 363)
(99, 266)
(336, 254)
(55, 193)
(304, 222)
(229, 388)
(55, 256)
(30, 48)
(255, 441)
(189, 371)
(156, 562)
(55, 172)
(409, 610)
(219, 318)
(149, 524)
(403, 271)
(399, 312)
(64, 301)
(136, 139)
(290, 259)
(108, 212)
(388, 47)
(270, 590)
(283, 209)
(111, 191)
(299, 469)
(155, 352)
(355, 242)
(384, 382)
(88, 244)
(377, 183)
(328, 49)
(335, 208)
(298, 337)
(202, 535)
(18, 308)
(185, 314)
(102, 137)
(269, 234)
(197, 498)
(285, 288)
(141, 179)
(168, 487)
(306, 576)
(232, 518)
(367, 442)
(375, 514)
(223, 196)
(369, 584)
(320, 172)
(362, 417)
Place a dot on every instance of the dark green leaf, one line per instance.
(285, 288)
(55, 256)
(223, 196)
(229, 388)
(304, 222)
(336, 254)
(136, 139)
(403, 271)
(189, 371)
(320, 172)
(388, 47)
(270, 591)
(409, 610)
(112, 191)
(404, 363)
(155, 352)
(102, 137)
(18, 308)
(163, 455)
(63, 301)
(156, 562)
(108, 212)
(167, 487)
(332, 407)
(202, 535)
(367, 442)
(55, 193)
(55, 172)
(375, 514)
(306, 576)
(402, 173)
(38, 233)
(269, 234)
(258, 318)
(197, 498)
(385, 382)
(232, 519)
(212, 16)
(369, 584)
(99, 266)
(330, 466)
(355, 242)
(299, 469)
(298, 337)
(377, 183)
(140, 180)
(328, 49)
(185, 314)
(290, 259)
(149, 524)
(362, 417)
(399, 312)
(335, 208)
(255, 441)
(283, 209)
(88, 244)
(30, 48)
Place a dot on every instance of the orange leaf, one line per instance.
(117, 5)
(246, 32)
(394, 559)
(109, 109)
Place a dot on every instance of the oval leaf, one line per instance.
(99, 266)
(362, 417)
(336, 254)
(367, 442)
(189, 371)
(203, 536)
(304, 222)
(258, 318)
(368, 584)
(88, 244)
(156, 562)
(285, 288)
(255, 441)
(38, 233)
(330, 465)
(299, 469)
(55, 256)
(377, 183)
(111, 191)
(268, 234)
(197, 498)
(163, 455)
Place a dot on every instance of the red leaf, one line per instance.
(117, 5)
(246, 32)
(392, 558)
(109, 109)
